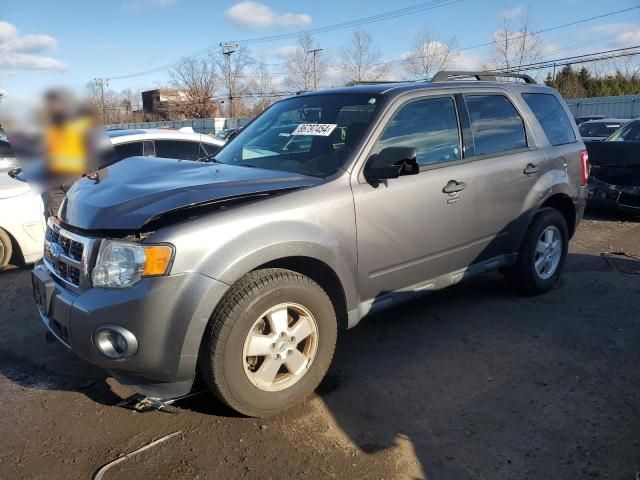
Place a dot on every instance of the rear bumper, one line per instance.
(604, 195)
(167, 315)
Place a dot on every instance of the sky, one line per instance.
(67, 42)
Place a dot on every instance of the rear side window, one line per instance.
(495, 123)
(430, 126)
(552, 117)
(126, 150)
(181, 150)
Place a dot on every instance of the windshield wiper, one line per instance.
(211, 158)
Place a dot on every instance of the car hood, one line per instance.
(10, 187)
(139, 190)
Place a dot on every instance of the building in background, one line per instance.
(162, 103)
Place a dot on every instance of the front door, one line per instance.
(409, 228)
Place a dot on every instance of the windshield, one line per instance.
(629, 133)
(309, 135)
(598, 129)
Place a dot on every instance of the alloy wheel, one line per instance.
(280, 347)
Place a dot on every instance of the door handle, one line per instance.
(531, 169)
(453, 187)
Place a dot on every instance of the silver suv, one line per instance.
(327, 207)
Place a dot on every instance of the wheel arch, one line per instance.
(17, 257)
(564, 204)
(321, 273)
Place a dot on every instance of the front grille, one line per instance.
(70, 247)
(67, 256)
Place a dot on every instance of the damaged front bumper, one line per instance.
(608, 196)
(166, 315)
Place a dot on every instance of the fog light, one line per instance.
(115, 342)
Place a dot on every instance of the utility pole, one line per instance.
(229, 48)
(102, 82)
(314, 52)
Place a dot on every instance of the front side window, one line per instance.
(552, 117)
(126, 150)
(430, 126)
(309, 135)
(495, 124)
(179, 149)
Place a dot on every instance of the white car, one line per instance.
(21, 222)
(183, 144)
(21, 210)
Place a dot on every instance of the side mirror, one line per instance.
(391, 162)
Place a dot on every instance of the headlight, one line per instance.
(123, 264)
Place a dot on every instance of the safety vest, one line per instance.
(66, 147)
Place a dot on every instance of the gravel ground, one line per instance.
(473, 382)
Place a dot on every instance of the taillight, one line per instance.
(584, 163)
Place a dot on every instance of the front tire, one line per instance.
(6, 249)
(542, 254)
(270, 342)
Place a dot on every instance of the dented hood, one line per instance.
(138, 190)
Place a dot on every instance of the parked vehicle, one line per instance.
(245, 268)
(166, 143)
(225, 133)
(614, 182)
(21, 222)
(598, 130)
(8, 160)
(586, 118)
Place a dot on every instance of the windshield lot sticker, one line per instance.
(316, 129)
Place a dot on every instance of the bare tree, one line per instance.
(516, 44)
(198, 81)
(429, 55)
(361, 59)
(261, 86)
(305, 65)
(232, 62)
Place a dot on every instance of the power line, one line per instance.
(405, 11)
(354, 23)
(329, 28)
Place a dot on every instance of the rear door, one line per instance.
(509, 171)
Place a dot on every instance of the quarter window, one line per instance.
(430, 126)
(552, 117)
(495, 124)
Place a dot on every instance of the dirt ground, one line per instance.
(474, 382)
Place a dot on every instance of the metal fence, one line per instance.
(200, 125)
(623, 106)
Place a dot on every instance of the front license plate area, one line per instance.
(43, 287)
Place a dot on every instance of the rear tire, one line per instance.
(261, 315)
(6, 249)
(542, 254)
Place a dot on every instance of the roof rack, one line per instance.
(446, 75)
(355, 83)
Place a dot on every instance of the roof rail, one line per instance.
(355, 83)
(446, 75)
